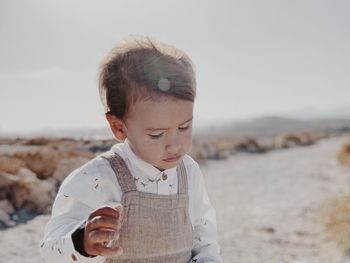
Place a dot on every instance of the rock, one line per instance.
(66, 166)
(31, 192)
(288, 140)
(6, 206)
(4, 217)
(11, 164)
(6, 181)
(41, 161)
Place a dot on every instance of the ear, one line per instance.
(117, 126)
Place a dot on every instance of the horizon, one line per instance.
(252, 59)
(219, 127)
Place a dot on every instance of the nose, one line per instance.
(173, 145)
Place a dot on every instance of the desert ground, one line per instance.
(269, 207)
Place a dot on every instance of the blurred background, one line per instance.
(253, 58)
(272, 114)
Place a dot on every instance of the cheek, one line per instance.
(150, 148)
(187, 141)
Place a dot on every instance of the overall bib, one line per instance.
(155, 228)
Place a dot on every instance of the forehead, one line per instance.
(160, 114)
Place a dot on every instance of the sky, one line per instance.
(252, 57)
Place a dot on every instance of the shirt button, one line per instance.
(164, 176)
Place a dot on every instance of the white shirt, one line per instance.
(95, 184)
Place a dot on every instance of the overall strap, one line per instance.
(122, 172)
(182, 178)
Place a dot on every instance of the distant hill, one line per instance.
(273, 125)
(259, 127)
(312, 113)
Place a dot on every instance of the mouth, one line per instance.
(172, 159)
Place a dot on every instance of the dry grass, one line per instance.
(337, 221)
(344, 155)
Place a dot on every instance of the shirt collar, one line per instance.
(147, 169)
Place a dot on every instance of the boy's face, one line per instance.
(160, 133)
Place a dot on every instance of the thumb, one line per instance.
(119, 208)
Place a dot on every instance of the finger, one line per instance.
(106, 211)
(100, 236)
(102, 222)
(107, 251)
(119, 208)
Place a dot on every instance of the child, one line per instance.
(145, 199)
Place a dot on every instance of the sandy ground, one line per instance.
(268, 207)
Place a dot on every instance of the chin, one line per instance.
(165, 165)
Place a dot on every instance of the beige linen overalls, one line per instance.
(155, 228)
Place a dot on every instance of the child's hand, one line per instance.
(103, 225)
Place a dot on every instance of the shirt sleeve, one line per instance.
(57, 246)
(206, 248)
(77, 197)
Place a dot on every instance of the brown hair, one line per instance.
(141, 68)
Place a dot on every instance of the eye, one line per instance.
(155, 137)
(184, 128)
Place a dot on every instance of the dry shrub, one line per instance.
(64, 143)
(337, 221)
(248, 145)
(57, 143)
(44, 161)
(74, 154)
(41, 161)
(212, 150)
(288, 140)
(37, 141)
(222, 147)
(66, 166)
(10, 141)
(344, 155)
(240, 144)
(11, 165)
(224, 143)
